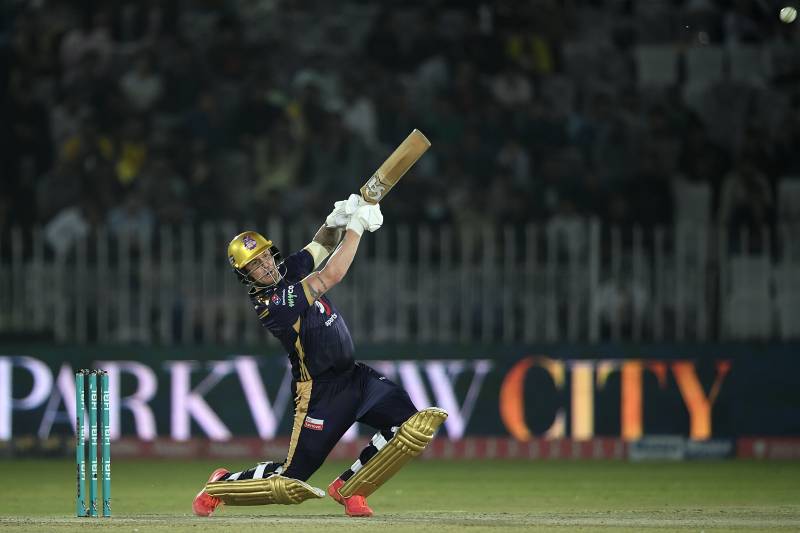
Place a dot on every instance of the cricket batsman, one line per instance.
(332, 390)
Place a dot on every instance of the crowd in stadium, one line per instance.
(132, 114)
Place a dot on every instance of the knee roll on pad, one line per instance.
(274, 489)
(409, 441)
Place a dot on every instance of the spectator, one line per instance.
(359, 114)
(567, 230)
(180, 63)
(395, 116)
(65, 228)
(741, 23)
(333, 155)
(132, 153)
(30, 128)
(206, 122)
(66, 178)
(132, 219)
(88, 145)
(277, 160)
(204, 189)
(166, 191)
(142, 85)
(745, 207)
(511, 88)
(515, 158)
(481, 44)
(382, 44)
(93, 37)
(66, 118)
(445, 123)
(537, 100)
(93, 83)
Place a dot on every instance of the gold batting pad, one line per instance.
(409, 441)
(274, 489)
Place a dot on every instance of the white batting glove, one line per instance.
(367, 217)
(338, 217)
(343, 210)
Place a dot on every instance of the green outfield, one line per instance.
(433, 495)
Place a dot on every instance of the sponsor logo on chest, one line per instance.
(290, 296)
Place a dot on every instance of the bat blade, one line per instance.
(395, 166)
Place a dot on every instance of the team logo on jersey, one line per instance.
(249, 242)
(314, 423)
(275, 299)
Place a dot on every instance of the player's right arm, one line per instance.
(367, 217)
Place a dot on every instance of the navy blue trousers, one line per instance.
(359, 395)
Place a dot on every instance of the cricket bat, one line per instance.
(397, 164)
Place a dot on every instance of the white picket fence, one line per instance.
(503, 284)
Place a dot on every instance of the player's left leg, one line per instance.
(403, 435)
(357, 504)
(409, 441)
(376, 444)
(391, 409)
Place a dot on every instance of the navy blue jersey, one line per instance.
(313, 332)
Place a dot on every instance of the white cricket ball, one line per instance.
(788, 14)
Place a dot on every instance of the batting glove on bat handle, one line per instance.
(338, 217)
(343, 210)
(366, 217)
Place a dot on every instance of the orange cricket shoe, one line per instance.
(355, 505)
(204, 504)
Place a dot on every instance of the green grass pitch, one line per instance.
(469, 496)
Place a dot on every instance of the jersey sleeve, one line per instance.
(298, 265)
